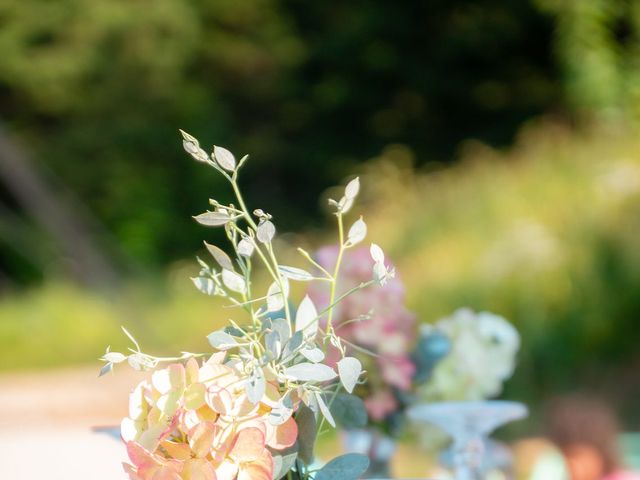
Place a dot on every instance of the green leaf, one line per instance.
(310, 372)
(349, 369)
(357, 232)
(345, 467)
(113, 357)
(212, 219)
(307, 428)
(273, 344)
(233, 281)
(245, 247)
(349, 411)
(292, 346)
(224, 158)
(275, 298)
(352, 189)
(376, 253)
(283, 327)
(282, 464)
(255, 385)
(281, 412)
(140, 362)
(294, 273)
(307, 317)
(266, 231)
(220, 256)
(106, 368)
(221, 340)
(326, 413)
(313, 354)
(205, 285)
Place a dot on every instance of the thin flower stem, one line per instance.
(285, 300)
(331, 400)
(344, 295)
(359, 348)
(177, 359)
(260, 253)
(336, 270)
(273, 269)
(306, 255)
(243, 206)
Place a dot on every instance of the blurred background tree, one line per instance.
(95, 90)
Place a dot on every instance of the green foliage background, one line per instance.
(96, 89)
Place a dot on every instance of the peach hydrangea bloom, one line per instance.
(195, 422)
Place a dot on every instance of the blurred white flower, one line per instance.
(482, 357)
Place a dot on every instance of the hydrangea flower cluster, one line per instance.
(196, 422)
(252, 408)
(483, 355)
(377, 320)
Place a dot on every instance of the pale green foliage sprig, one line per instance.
(279, 344)
(137, 359)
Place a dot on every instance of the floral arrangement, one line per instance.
(483, 356)
(381, 332)
(253, 407)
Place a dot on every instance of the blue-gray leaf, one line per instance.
(255, 385)
(310, 372)
(282, 464)
(212, 219)
(349, 369)
(349, 411)
(346, 467)
(221, 340)
(307, 428)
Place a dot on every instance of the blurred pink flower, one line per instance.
(381, 404)
(389, 332)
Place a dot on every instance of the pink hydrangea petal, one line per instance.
(138, 455)
(242, 407)
(165, 473)
(129, 429)
(201, 438)
(271, 395)
(199, 469)
(154, 417)
(169, 403)
(192, 370)
(258, 423)
(282, 436)
(179, 451)
(151, 437)
(161, 381)
(249, 445)
(228, 469)
(217, 358)
(214, 374)
(131, 472)
(194, 396)
(380, 404)
(177, 376)
(224, 442)
(259, 469)
(219, 399)
(138, 406)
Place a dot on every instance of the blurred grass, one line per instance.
(546, 233)
(60, 324)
